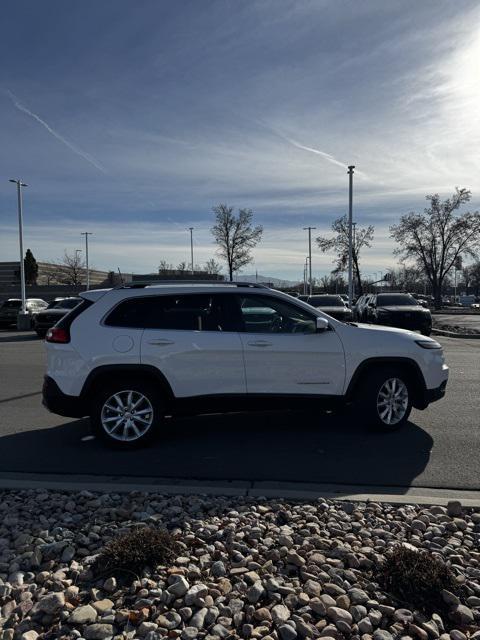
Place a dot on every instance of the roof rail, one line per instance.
(153, 283)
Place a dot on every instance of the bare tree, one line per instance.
(164, 266)
(213, 267)
(437, 237)
(70, 269)
(235, 236)
(339, 244)
(182, 267)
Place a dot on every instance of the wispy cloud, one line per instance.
(83, 154)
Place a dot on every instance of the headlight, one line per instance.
(428, 344)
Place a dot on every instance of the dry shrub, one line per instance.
(127, 555)
(417, 577)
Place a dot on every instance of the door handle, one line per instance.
(260, 343)
(161, 342)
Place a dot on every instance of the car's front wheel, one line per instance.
(127, 415)
(384, 399)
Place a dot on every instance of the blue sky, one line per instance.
(132, 119)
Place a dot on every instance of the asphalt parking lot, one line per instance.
(438, 448)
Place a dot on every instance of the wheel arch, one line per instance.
(109, 373)
(407, 365)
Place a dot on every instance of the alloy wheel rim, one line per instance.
(127, 415)
(392, 401)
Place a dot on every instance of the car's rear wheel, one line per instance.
(385, 399)
(127, 415)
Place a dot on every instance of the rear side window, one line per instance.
(197, 312)
(66, 321)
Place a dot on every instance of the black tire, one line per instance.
(41, 333)
(368, 396)
(101, 413)
(426, 332)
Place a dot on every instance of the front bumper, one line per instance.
(60, 403)
(411, 322)
(430, 395)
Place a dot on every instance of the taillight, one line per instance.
(58, 335)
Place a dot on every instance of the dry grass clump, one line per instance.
(127, 555)
(417, 577)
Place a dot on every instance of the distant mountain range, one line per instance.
(277, 282)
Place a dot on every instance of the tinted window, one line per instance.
(325, 301)
(265, 314)
(196, 312)
(398, 299)
(12, 304)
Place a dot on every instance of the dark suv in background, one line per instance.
(399, 310)
(333, 305)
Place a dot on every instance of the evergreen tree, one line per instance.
(31, 268)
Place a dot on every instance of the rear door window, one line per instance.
(195, 312)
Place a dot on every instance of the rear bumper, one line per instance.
(58, 402)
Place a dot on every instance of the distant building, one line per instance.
(50, 274)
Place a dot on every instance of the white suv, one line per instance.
(129, 356)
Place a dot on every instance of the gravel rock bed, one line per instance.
(247, 568)
(455, 328)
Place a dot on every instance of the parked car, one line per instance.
(128, 357)
(399, 310)
(11, 308)
(466, 301)
(333, 305)
(53, 313)
(360, 309)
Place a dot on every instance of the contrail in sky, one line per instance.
(18, 105)
(323, 154)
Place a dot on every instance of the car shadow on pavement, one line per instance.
(282, 446)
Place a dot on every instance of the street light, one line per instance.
(86, 234)
(191, 246)
(350, 235)
(22, 321)
(310, 255)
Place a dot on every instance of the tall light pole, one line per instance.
(354, 253)
(305, 276)
(86, 234)
(309, 229)
(21, 184)
(191, 247)
(350, 234)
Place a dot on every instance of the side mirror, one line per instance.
(322, 324)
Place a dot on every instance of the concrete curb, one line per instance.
(254, 488)
(452, 334)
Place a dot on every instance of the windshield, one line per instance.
(396, 300)
(12, 304)
(325, 301)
